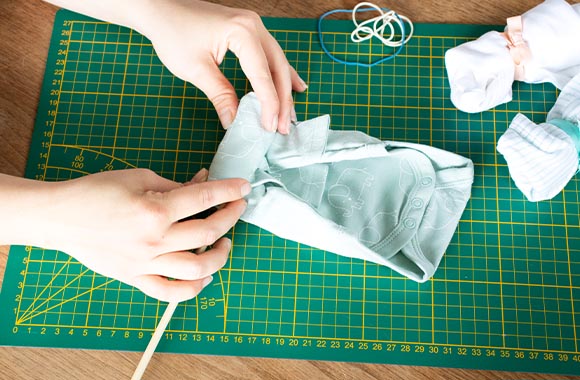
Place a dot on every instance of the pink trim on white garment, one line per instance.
(519, 48)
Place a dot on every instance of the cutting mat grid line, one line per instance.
(506, 294)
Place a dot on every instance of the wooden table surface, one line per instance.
(25, 28)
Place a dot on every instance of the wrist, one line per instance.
(140, 14)
(152, 18)
(134, 14)
(29, 211)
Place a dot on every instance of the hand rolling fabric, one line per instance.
(543, 158)
(394, 204)
(538, 46)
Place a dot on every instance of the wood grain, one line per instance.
(25, 28)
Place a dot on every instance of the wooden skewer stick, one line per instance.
(154, 341)
(157, 334)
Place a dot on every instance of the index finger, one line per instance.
(250, 52)
(195, 198)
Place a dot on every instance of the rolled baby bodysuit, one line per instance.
(394, 204)
(538, 46)
(543, 158)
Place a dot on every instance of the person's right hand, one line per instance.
(129, 225)
(191, 38)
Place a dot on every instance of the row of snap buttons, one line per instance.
(417, 203)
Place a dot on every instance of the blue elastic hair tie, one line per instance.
(353, 63)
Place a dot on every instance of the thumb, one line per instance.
(219, 91)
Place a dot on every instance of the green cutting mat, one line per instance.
(507, 294)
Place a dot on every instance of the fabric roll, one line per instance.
(391, 203)
(540, 46)
(543, 158)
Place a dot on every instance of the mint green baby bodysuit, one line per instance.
(394, 204)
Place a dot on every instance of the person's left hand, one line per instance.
(134, 226)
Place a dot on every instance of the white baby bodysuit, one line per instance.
(543, 48)
(395, 204)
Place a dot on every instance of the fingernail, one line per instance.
(201, 250)
(293, 117)
(207, 281)
(274, 124)
(304, 85)
(246, 188)
(226, 117)
(285, 129)
(200, 176)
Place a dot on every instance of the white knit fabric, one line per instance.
(481, 72)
